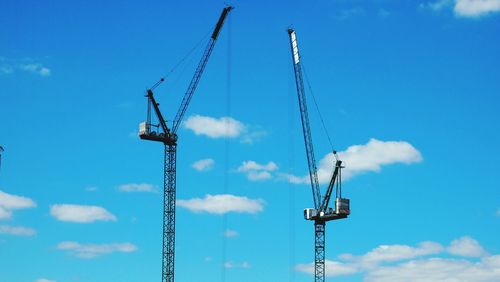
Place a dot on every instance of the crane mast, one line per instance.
(321, 213)
(169, 139)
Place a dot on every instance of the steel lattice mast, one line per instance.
(169, 139)
(321, 212)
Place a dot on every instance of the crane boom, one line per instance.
(304, 117)
(199, 70)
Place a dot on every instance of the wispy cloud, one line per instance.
(17, 230)
(255, 171)
(230, 264)
(204, 164)
(230, 233)
(138, 187)
(45, 280)
(88, 251)
(10, 66)
(80, 213)
(91, 188)
(346, 14)
(9, 202)
(391, 263)
(221, 204)
(466, 8)
(35, 68)
(359, 159)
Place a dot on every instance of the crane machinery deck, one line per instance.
(321, 213)
(168, 136)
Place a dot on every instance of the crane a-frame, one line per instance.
(168, 136)
(321, 213)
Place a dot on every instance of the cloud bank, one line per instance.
(429, 261)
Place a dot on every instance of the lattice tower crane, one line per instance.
(168, 136)
(321, 213)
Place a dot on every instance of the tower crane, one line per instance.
(321, 213)
(168, 136)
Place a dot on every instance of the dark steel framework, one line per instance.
(169, 139)
(323, 212)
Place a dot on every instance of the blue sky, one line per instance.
(408, 90)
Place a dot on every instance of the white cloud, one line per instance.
(221, 204)
(213, 127)
(476, 8)
(466, 247)
(80, 213)
(35, 68)
(45, 280)
(466, 8)
(252, 165)
(204, 164)
(89, 251)
(256, 172)
(13, 202)
(391, 263)
(230, 233)
(16, 230)
(137, 187)
(332, 268)
(230, 264)
(9, 202)
(224, 127)
(359, 159)
(257, 176)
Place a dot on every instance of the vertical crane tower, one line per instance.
(168, 136)
(321, 213)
